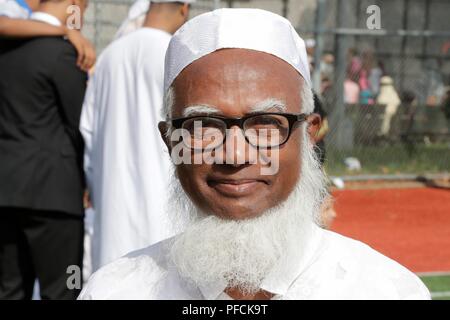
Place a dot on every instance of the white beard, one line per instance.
(241, 253)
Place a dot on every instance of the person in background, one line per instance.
(327, 212)
(41, 149)
(375, 75)
(327, 66)
(366, 94)
(135, 18)
(351, 89)
(389, 97)
(16, 21)
(354, 63)
(446, 106)
(125, 164)
(433, 82)
(324, 128)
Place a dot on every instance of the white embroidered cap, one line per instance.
(253, 29)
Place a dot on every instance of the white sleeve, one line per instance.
(12, 9)
(87, 129)
(410, 287)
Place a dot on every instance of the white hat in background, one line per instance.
(136, 16)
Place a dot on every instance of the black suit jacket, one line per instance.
(41, 95)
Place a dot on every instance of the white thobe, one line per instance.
(126, 163)
(332, 267)
(389, 97)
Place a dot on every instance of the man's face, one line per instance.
(234, 81)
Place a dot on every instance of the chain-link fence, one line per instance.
(385, 87)
(103, 18)
(381, 68)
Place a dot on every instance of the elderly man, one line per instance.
(235, 75)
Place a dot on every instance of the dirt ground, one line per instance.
(407, 222)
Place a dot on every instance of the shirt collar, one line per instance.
(46, 17)
(280, 279)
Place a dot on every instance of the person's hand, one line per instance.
(86, 52)
(87, 200)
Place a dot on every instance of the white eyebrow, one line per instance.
(269, 104)
(263, 106)
(200, 110)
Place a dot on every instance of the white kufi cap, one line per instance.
(252, 29)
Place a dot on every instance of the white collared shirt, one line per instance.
(46, 17)
(14, 9)
(333, 267)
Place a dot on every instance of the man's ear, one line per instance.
(314, 122)
(185, 10)
(163, 130)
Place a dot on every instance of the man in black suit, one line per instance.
(41, 180)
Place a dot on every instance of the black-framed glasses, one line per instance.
(261, 130)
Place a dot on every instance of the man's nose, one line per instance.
(236, 148)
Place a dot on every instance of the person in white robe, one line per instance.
(388, 96)
(135, 18)
(125, 164)
(252, 233)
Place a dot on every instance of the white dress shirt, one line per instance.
(126, 162)
(332, 267)
(14, 9)
(45, 17)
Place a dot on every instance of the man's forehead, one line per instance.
(237, 80)
(246, 58)
(233, 69)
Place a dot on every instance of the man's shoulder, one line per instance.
(374, 271)
(134, 276)
(148, 33)
(47, 47)
(147, 38)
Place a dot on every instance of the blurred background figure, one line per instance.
(388, 96)
(126, 168)
(135, 18)
(446, 106)
(351, 89)
(41, 148)
(434, 82)
(324, 128)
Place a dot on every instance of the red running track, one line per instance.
(411, 226)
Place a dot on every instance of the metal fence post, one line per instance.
(342, 134)
(318, 50)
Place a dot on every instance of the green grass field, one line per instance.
(391, 159)
(439, 286)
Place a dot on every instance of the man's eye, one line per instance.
(208, 123)
(202, 124)
(266, 121)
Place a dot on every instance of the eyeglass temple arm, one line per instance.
(302, 117)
